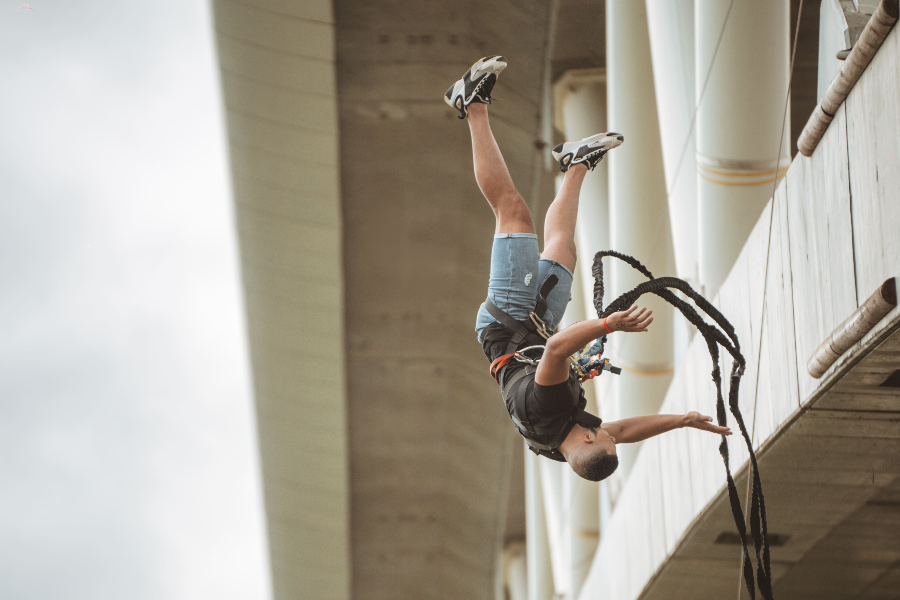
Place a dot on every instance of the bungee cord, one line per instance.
(719, 333)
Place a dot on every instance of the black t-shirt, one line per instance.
(548, 406)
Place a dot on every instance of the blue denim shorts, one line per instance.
(517, 273)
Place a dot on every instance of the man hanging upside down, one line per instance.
(528, 292)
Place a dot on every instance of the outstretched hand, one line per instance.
(631, 320)
(704, 423)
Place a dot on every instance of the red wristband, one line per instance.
(605, 324)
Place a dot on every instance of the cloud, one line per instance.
(130, 466)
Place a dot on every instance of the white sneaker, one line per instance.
(476, 84)
(589, 151)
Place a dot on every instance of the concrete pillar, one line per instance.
(556, 503)
(639, 220)
(738, 123)
(539, 570)
(671, 26)
(583, 529)
(580, 97)
(580, 107)
(515, 572)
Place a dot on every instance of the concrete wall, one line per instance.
(430, 441)
(828, 239)
(278, 75)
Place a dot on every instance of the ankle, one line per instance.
(578, 169)
(477, 110)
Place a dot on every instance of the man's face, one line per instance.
(604, 440)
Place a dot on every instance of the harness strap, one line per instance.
(545, 290)
(498, 364)
(521, 329)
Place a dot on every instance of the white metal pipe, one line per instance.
(853, 328)
(739, 121)
(639, 219)
(874, 33)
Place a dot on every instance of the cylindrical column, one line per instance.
(539, 571)
(579, 510)
(583, 529)
(671, 26)
(556, 504)
(739, 122)
(515, 571)
(639, 217)
(581, 102)
(580, 96)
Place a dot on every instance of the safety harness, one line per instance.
(530, 335)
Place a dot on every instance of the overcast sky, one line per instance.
(128, 460)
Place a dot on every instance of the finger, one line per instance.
(706, 418)
(630, 310)
(713, 428)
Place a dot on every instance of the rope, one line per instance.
(719, 333)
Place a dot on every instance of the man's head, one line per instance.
(591, 452)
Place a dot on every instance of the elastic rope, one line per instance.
(724, 336)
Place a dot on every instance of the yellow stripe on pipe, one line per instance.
(782, 170)
(739, 183)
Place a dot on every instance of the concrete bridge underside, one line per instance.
(388, 467)
(386, 459)
(832, 490)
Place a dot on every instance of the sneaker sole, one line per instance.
(600, 141)
(485, 66)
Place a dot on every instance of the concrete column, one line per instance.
(580, 111)
(738, 123)
(583, 530)
(671, 26)
(556, 503)
(515, 572)
(639, 219)
(539, 571)
(580, 97)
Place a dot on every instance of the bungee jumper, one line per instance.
(539, 378)
(540, 370)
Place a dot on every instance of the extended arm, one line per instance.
(554, 365)
(638, 429)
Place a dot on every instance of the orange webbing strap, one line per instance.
(498, 364)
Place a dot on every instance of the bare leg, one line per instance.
(559, 226)
(493, 178)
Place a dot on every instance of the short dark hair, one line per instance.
(597, 466)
